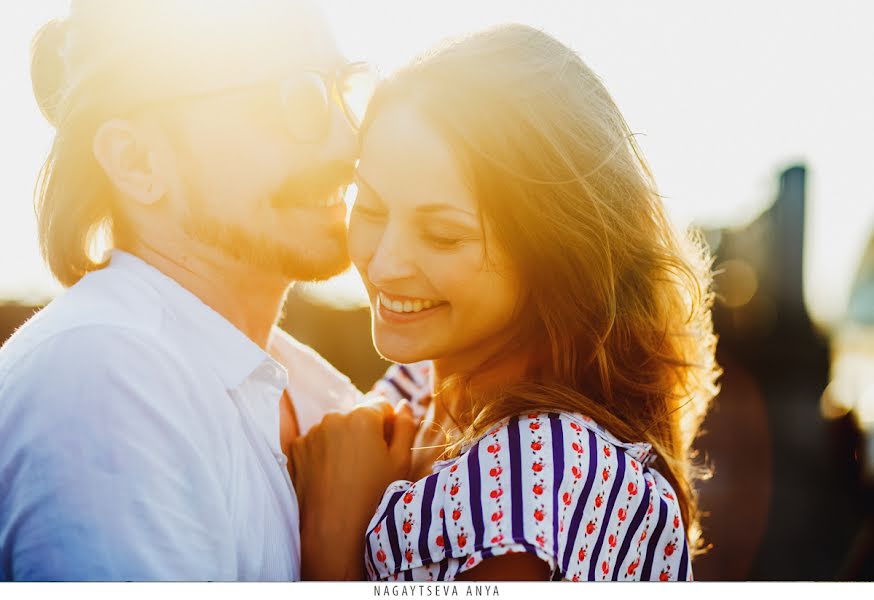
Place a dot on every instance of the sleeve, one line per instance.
(505, 490)
(549, 486)
(103, 477)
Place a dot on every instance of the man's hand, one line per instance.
(341, 469)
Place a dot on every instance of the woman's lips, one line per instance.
(393, 316)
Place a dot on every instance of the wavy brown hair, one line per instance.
(617, 304)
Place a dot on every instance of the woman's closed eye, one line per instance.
(446, 239)
(369, 211)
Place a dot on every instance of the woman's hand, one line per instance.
(341, 469)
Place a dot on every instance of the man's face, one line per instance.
(242, 180)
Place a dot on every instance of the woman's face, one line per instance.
(440, 288)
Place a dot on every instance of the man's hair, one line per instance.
(106, 59)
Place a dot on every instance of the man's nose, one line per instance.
(392, 260)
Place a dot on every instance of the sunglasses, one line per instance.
(307, 98)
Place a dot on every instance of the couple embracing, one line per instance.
(550, 331)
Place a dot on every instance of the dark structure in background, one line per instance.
(782, 504)
(784, 500)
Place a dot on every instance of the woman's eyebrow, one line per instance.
(440, 207)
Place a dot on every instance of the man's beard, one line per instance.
(328, 258)
(299, 258)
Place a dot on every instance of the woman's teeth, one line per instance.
(404, 306)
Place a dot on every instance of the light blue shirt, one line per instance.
(139, 437)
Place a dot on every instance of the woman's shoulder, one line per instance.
(553, 484)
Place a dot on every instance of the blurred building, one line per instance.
(782, 503)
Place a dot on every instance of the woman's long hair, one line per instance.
(617, 304)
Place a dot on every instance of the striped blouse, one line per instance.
(555, 485)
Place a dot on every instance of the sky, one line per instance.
(723, 95)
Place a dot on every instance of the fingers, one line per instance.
(404, 433)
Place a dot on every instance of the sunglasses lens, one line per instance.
(356, 89)
(305, 100)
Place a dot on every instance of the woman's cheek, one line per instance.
(362, 238)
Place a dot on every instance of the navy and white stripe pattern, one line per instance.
(555, 485)
(406, 382)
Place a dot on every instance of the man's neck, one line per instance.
(249, 300)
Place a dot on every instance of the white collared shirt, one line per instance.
(139, 437)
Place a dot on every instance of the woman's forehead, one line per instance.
(405, 160)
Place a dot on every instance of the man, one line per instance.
(147, 415)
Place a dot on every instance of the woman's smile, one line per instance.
(406, 309)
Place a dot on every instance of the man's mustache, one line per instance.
(314, 184)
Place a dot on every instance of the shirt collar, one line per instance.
(227, 349)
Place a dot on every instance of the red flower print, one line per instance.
(606, 474)
(456, 514)
(669, 549)
(462, 540)
(408, 497)
(494, 448)
(612, 540)
(538, 467)
(409, 556)
(439, 540)
(536, 446)
(497, 539)
(495, 471)
(632, 488)
(471, 561)
(577, 472)
(496, 516)
(590, 528)
(582, 554)
(453, 490)
(577, 448)
(634, 465)
(599, 499)
(607, 451)
(605, 567)
(575, 578)
(453, 468)
(622, 514)
(669, 496)
(380, 555)
(408, 526)
(540, 540)
(442, 514)
(377, 528)
(663, 576)
(633, 566)
(497, 493)
(538, 514)
(534, 426)
(576, 427)
(566, 498)
(676, 521)
(538, 489)
(532, 415)
(643, 535)
(649, 510)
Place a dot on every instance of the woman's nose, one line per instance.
(392, 259)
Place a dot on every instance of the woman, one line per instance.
(508, 229)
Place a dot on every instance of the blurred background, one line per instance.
(757, 119)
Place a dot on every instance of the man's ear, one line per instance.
(120, 150)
